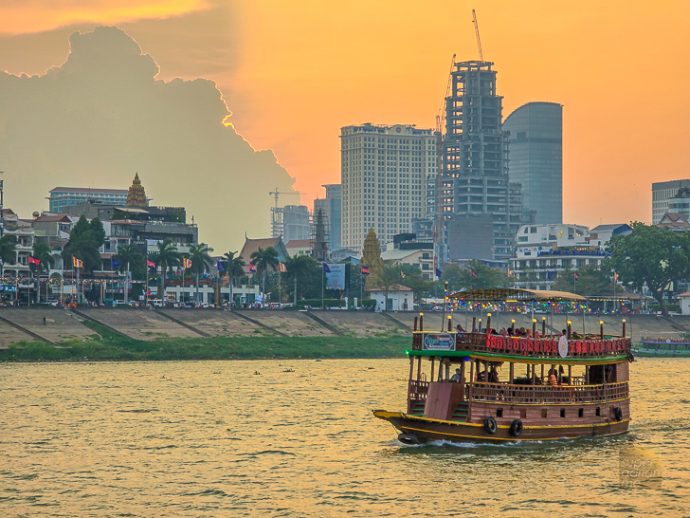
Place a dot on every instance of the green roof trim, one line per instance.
(597, 360)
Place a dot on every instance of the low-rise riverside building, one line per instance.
(544, 251)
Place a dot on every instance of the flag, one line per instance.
(402, 274)
(473, 274)
(150, 263)
(282, 268)
(252, 267)
(220, 265)
(117, 264)
(35, 261)
(77, 263)
(326, 268)
(615, 276)
(576, 275)
(438, 273)
(186, 263)
(365, 270)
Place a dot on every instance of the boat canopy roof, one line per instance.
(504, 294)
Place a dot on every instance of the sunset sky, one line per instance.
(292, 73)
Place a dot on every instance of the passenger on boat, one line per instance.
(455, 378)
(503, 331)
(493, 375)
(459, 329)
(553, 376)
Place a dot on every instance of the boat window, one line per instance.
(598, 412)
(544, 413)
(581, 412)
(499, 412)
(523, 413)
(562, 412)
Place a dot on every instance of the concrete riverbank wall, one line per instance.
(54, 325)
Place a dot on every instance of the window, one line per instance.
(598, 411)
(562, 412)
(523, 413)
(581, 412)
(499, 412)
(544, 413)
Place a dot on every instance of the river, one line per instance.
(246, 438)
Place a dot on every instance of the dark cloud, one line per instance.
(102, 115)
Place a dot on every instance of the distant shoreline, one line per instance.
(217, 348)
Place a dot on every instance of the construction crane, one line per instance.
(441, 117)
(476, 32)
(275, 193)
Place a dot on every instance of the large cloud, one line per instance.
(101, 116)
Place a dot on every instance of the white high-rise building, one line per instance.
(386, 175)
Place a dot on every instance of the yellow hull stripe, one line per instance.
(400, 415)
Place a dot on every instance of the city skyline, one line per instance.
(537, 53)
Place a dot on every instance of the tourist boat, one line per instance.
(538, 387)
(663, 348)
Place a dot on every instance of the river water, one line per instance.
(246, 438)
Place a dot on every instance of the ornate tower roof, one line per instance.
(136, 197)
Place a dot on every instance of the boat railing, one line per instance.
(544, 346)
(418, 390)
(483, 391)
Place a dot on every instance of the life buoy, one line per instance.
(490, 425)
(516, 428)
(618, 413)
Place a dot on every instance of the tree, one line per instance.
(165, 257)
(474, 275)
(44, 254)
(653, 257)
(8, 249)
(303, 277)
(84, 241)
(234, 269)
(201, 262)
(589, 280)
(264, 259)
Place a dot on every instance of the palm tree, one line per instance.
(234, 268)
(128, 255)
(43, 253)
(201, 261)
(263, 259)
(166, 257)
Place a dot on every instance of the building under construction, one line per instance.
(474, 186)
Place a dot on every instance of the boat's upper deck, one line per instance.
(587, 348)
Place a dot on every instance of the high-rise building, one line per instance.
(474, 182)
(63, 197)
(385, 171)
(535, 147)
(334, 203)
(663, 194)
(296, 223)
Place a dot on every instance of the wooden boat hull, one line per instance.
(417, 429)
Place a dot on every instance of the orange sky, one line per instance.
(294, 72)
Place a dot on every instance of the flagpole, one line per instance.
(146, 290)
(126, 296)
(323, 275)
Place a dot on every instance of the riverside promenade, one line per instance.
(55, 325)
